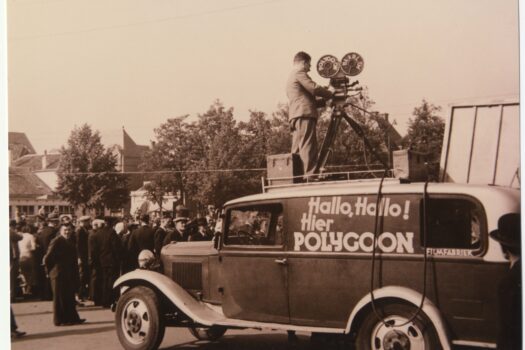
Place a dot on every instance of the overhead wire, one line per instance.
(140, 23)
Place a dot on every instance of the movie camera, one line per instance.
(351, 65)
(339, 72)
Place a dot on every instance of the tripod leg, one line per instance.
(359, 131)
(328, 141)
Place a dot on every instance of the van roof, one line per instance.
(371, 186)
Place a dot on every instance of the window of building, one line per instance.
(25, 209)
(66, 209)
(452, 223)
(255, 225)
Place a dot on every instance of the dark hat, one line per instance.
(84, 218)
(144, 217)
(202, 222)
(509, 230)
(182, 214)
(64, 217)
(52, 217)
(12, 223)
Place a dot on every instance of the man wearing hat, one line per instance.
(508, 235)
(166, 225)
(82, 235)
(105, 260)
(181, 220)
(202, 231)
(140, 239)
(43, 239)
(61, 264)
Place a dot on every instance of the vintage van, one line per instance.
(390, 265)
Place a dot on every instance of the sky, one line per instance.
(135, 63)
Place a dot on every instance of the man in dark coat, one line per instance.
(61, 265)
(14, 257)
(178, 234)
(140, 239)
(95, 284)
(508, 235)
(82, 236)
(105, 255)
(202, 233)
(160, 234)
(124, 235)
(43, 240)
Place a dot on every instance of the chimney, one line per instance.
(44, 160)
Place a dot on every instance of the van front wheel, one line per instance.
(393, 332)
(140, 326)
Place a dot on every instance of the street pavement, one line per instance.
(98, 333)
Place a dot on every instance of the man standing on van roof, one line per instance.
(508, 235)
(301, 91)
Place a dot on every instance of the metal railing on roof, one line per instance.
(324, 178)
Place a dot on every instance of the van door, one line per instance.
(253, 264)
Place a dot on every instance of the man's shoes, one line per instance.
(80, 321)
(17, 334)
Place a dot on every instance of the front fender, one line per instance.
(198, 311)
(411, 296)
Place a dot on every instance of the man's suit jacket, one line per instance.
(61, 261)
(104, 248)
(172, 236)
(301, 89)
(45, 237)
(141, 238)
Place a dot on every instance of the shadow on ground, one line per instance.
(62, 332)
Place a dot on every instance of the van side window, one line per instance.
(452, 223)
(255, 225)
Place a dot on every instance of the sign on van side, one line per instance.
(346, 224)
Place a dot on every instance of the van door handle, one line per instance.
(281, 261)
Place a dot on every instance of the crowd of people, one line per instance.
(70, 261)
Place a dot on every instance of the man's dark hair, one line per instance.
(302, 56)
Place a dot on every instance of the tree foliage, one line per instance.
(426, 130)
(425, 134)
(86, 173)
(215, 158)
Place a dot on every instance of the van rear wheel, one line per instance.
(394, 333)
(207, 333)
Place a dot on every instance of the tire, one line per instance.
(420, 334)
(207, 333)
(140, 326)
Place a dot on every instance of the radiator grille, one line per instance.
(187, 275)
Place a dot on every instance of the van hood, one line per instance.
(189, 248)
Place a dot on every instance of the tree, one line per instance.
(171, 155)
(425, 134)
(222, 147)
(87, 175)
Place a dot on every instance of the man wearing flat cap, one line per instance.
(508, 235)
(140, 239)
